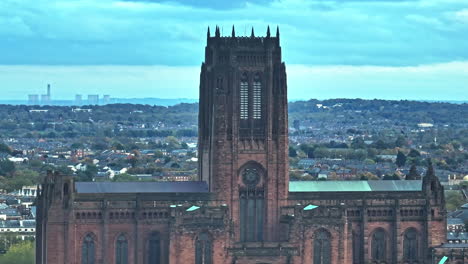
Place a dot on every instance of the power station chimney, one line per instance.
(48, 90)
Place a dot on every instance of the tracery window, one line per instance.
(154, 249)
(251, 206)
(322, 247)
(410, 245)
(378, 246)
(121, 250)
(204, 249)
(88, 250)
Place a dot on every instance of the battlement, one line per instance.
(243, 40)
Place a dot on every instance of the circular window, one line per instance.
(250, 176)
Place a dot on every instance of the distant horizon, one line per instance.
(174, 101)
(414, 50)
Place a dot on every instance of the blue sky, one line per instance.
(390, 49)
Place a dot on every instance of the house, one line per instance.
(455, 225)
(18, 226)
(306, 163)
(10, 214)
(457, 237)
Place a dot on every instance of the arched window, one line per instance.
(203, 249)
(121, 250)
(356, 248)
(244, 97)
(154, 248)
(410, 245)
(88, 250)
(257, 98)
(322, 247)
(251, 205)
(378, 246)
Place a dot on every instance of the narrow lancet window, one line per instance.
(378, 246)
(251, 206)
(244, 97)
(154, 249)
(121, 250)
(204, 249)
(87, 251)
(410, 245)
(257, 98)
(322, 247)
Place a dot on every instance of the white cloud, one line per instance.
(462, 16)
(314, 32)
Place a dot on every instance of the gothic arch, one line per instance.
(252, 165)
(379, 245)
(251, 201)
(154, 248)
(204, 248)
(121, 249)
(322, 246)
(88, 248)
(411, 244)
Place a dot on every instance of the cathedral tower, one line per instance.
(243, 137)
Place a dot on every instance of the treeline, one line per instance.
(181, 120)
(400, 111)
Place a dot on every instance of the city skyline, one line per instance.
(355, 49)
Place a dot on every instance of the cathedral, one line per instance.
(243, 209)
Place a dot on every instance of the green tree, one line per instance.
(5, 148)
(172, 142)
(175, 165)
(380, 144)
(118, 146)
(88, 174)
(414, 153)
(453, 200)
(358, 143)
(400, 142)
(22, 178)
(401, 159)
(7, 167)
(124, 177)
(292, 152)
(76, 145)
(321, 153)
(22, 253)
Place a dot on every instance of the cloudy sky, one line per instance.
(389, 49)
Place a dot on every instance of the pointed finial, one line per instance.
(252, 34)
(233, 34)
(268, 31)
(217, 34)
(208, 33)
(430, 169)
(277, 35)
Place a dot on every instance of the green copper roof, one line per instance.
(355, 186)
